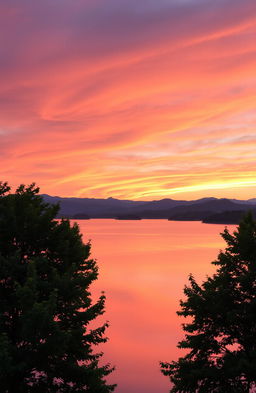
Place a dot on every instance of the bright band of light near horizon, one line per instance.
(129, 99)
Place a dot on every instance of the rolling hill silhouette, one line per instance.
(198, 210)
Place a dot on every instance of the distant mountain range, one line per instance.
(211, 210)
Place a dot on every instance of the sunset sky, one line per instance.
(131, 99)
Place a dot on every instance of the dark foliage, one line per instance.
(221, 332)
(46, 344)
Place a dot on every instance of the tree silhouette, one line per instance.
(46, 344)
(221, 332)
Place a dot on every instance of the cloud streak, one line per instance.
(129, 100)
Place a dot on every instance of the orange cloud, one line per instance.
(143, 102)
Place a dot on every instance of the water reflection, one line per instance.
(143, 268)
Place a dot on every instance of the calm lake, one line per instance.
(144, 266)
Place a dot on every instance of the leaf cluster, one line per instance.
(220, 334)
(46, 344)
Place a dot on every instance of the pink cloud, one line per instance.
(83, 81)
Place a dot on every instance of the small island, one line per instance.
(127, 217)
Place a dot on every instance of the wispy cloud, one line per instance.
(129, 99)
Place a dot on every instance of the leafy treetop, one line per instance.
(220, 334)
(46, 344)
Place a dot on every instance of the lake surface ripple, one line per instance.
(143, 267)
